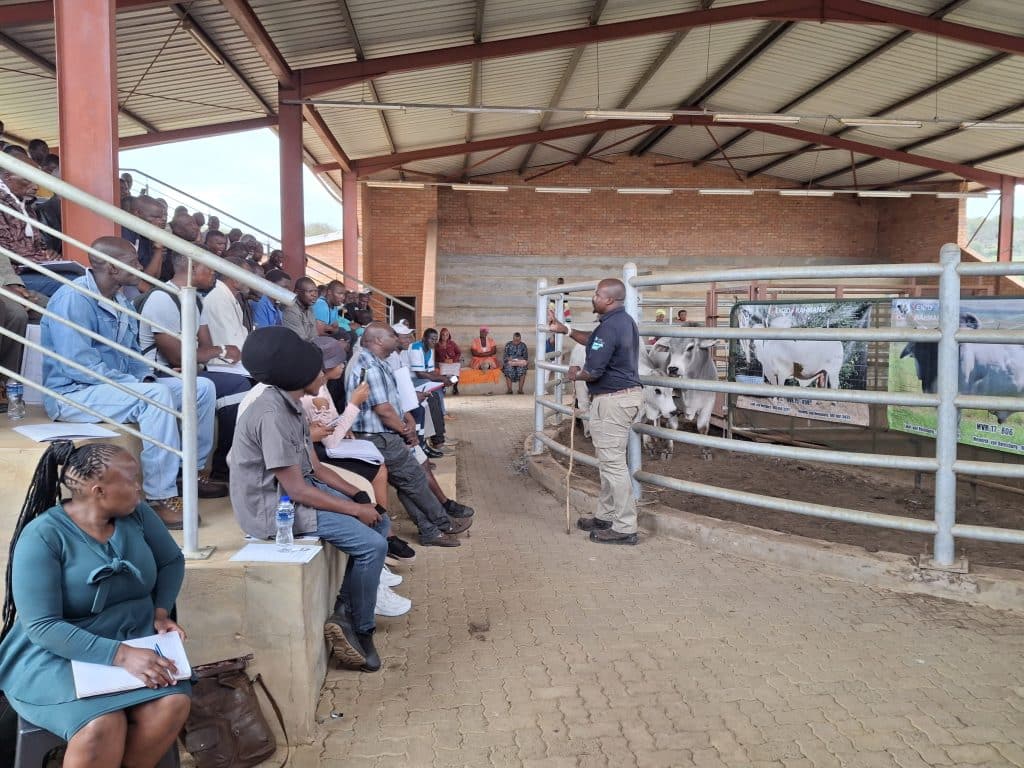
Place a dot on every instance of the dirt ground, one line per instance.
(887, 492)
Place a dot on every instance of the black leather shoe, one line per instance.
(372, 662)
(457, 525)
(433, 453)
(454, 509)
(608, 536)
(345, 645)
(593, 524)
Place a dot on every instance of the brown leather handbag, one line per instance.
(226, 727)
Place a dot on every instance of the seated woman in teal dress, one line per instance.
(86, 573)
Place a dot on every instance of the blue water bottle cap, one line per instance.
(285, 500)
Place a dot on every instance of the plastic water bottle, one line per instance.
(15, 401)
(285, 521)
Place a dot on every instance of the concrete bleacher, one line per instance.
(274, 611)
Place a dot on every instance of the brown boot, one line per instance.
(168, 510)
(211, 489)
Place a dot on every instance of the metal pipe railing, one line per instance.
(945, 466)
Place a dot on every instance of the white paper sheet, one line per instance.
(215, 366)
(99, 679)
(450, 369)
(406, 391)
(63, 430)
(271, 553)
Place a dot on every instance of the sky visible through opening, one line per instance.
(239, 173)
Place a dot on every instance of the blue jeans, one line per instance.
(366, 548)
(159, 468)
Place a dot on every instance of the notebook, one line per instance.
(99, 679)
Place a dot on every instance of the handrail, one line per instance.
(156, 234)
(273, 239)
(947, 400)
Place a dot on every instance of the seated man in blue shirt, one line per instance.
(327, 309)
(159, 467)
(267, 311)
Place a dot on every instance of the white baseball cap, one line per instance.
(402, 328)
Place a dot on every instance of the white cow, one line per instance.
(817, 362)
(697, 363)
(992, 369)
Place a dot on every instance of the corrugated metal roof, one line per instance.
(181, 86)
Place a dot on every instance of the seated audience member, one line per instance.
(159, 467)
(224, 313)
(448, 353)
(351, 303)
(200, 221)
(275, 260)
(517, 358)
(216, 242)
(402, 358)
(681, 316)
(484, 351)
(48, 211)
(327, 309)
(253, 249)
(381, 422)
(164, 309)
(267, 311)
(127, 200)
(183, 225)
(423, 364)
(39, 150)
(153, 256)
(300, 316)
(659, 317)
(331, 432)
(234, 235)
(363, 303)
(273, 456)
(54, 615)
(213, 224)
(24, 238)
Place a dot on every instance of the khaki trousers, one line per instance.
(610, 419)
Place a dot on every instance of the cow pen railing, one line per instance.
(947, 400)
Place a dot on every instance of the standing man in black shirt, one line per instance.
(610, 371)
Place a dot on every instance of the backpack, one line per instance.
(138, 302)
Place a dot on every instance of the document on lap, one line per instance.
(100, 679)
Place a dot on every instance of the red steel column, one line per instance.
(293, 218)
(350, 228)
(1004, 251)
(87, 107)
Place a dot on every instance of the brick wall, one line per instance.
(331, 252)
(914, 229)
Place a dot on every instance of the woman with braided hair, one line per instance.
(85, 574)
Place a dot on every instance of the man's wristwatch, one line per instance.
(223, 353)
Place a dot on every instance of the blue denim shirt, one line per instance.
(94, 355)
(266, 313)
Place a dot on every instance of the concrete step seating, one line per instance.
(275, 611)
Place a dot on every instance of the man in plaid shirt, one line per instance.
(382, 421)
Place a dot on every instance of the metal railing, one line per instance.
(186, 296)
(316, 268)
(947, 401)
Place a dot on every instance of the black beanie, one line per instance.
(279, 357)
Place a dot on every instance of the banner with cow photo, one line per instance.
(800, 363)
(985, 369)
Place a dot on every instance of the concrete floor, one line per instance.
(528, 647)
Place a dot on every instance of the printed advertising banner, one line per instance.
(985, 369)
(831, 364)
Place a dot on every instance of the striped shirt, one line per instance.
(383, 389)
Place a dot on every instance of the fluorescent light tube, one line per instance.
(644, 191)
(959, 195)
(878, 122)
(498, 110)
(736, 191)
(993, 125)
(883, 193)
(625, 114)
(564, 190)
(807, 192)
(201, 41)
(774, 119)
(479, 188)
(396, 184)
(368, 105)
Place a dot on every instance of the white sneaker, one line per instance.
(391, 604)
(389, 579)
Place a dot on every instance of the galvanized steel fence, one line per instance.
(947, 399)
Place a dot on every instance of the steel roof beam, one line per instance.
(316, 122)
(49, 67)
(655, 66)
(357, 48)
(475, 79)
(963, 74)
(260, 39)
(367, 166)
(998, 155)
(316, 80)
(563, 83)
(849, 69)
(41, 11)
(198, 132)
(993, 116)
(188, 19)
(729, 72)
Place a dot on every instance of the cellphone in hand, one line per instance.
(362, 376)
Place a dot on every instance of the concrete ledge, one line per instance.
(995, 587)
